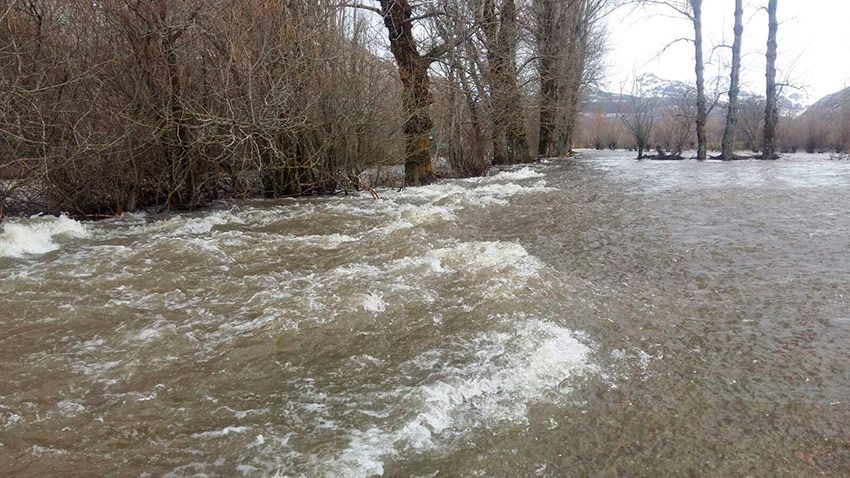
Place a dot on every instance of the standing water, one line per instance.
(599, 317)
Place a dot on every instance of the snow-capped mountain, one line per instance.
(832, 103)
(598, 100)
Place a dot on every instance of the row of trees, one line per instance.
(751, 123)
(692, 11)
(117, 105)
(667, 124)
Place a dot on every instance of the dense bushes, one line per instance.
(116, 105)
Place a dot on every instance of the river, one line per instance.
(593, 317)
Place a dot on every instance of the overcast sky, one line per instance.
(814, 43)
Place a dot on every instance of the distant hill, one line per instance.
(831, 104)
(664, 91)
(598, 100)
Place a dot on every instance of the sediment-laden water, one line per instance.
(598, 316)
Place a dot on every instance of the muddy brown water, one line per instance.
(593, 317)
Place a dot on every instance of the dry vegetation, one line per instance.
(118, 105)
(815, 131)
(684, 120)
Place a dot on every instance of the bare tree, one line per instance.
(112, 105)
(510, 143)
(692, 10)
(413, 70)
(640, 114)
(728, 144)
(109, 106)
(467, 146)
(551, 35)
(568, 39)
(771, 112)
(751, 122)
(674, 130)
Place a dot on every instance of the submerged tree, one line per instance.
(413, 71)
(568, 41)
(639, 116)
(692, 10)
(551, 37)
(751, 122)
(465, 113)
(728, 145)
(675, 127)
(510, 141)
(771, 111)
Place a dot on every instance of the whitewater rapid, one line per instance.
(193, 288)
(38, 234)
(597, 316)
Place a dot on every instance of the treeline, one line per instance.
(667, 124)
(671, 124)
(117, 105)
(640, 117)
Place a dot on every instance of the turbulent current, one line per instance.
(592, 317)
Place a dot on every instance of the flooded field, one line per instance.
(592, 317)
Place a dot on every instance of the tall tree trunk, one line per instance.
(771, 112)
(564, 145)
(550, 35)
(510, 144)
(734, 85)
(548, 109)
(702, 149)
(462, 62)
(494, 73)
(478, 152)
(413, 70)
(574, 78)
(514, 118)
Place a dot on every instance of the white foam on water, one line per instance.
(147, 334)
(430, 193)
(462, 257)
(494, 270)
(506, 190)
(251, 325)
(426, 213)
(192, 226)
(365, 455)
(518, 175)
(481, 192)
(403, 216)
(496, 256)
(356, 270)
(37, 235)
(69, 408)
(353, 208)
(247, 470)
(39, 450)
(95, 369)
(515, 175)
(373, 302)
(397, 225)
(510, 370)
(92, 345)
(221, 433)
(330, 241)
(151, 332)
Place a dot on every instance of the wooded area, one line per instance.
(683, 119)
(125, 104)
(118, 105)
